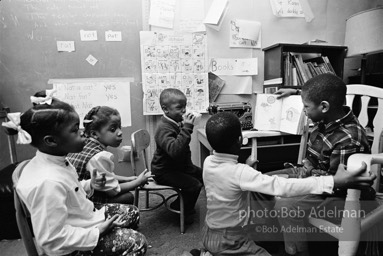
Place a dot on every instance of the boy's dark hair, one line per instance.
(168, 93)
(223, 130)
(97, 117)
(45, 119)
(325, 87)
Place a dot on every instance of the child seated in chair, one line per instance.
(336, 135)
(102, 128)
(64, 221)
(171, 163)
(227, 185)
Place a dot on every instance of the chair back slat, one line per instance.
(140, 142)
(363, 116)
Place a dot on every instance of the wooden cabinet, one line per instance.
(274, 60)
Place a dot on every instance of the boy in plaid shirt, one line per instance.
(336, 135)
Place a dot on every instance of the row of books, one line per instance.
(297, 70)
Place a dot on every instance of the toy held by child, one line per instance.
(64, 221)
(102, 128)
(227, 185)
(171, 163)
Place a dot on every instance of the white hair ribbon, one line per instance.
(23, 137)
(44, 100)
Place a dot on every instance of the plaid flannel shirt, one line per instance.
(331, 144)
(80, 160)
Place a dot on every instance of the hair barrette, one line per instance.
(23, 137)
(87, 121)
(44, 100)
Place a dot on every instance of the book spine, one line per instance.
(295, 78)
(300, 69)
(327, 61)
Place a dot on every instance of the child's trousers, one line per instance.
(230, 241)
(120, 241)
(189, 182)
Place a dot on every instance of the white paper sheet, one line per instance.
(191, 14)
(88, 35)
(235, 67)
(113, 36)
(238, 42)
(287, 8)
(162, 13)
(248, 29)
(65, 46)
(86, 93)
(216, 14)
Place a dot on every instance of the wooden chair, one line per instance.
(22, 214)
(353, 226)
(139, 160)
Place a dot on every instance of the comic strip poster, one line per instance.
(174, 60)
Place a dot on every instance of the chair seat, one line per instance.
(153, 185)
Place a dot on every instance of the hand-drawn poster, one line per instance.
(174, 60)
(237, 42)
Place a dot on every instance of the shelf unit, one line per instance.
(274, 59)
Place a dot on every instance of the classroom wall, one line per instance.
(328, 24)
(26, 64)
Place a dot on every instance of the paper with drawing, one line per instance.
(174, 60)
(285, 115)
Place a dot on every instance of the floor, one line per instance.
(161, 228)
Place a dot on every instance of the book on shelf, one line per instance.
(284, 115)
(300, 67)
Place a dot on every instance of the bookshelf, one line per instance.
(308, 60)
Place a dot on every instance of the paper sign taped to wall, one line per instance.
(113, 36)
(248, 29)
(234, 67)
(287, 8)
(86, 93)
(88, 35)
(65, 46)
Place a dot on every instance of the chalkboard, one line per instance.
(30, 29)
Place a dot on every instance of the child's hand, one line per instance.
(144, 176)
(344, 179)
(109, 224)
(128, 179)
(189, 118)
(285, 92)
(251, 162)
(97, 180)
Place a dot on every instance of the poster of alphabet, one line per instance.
(174, 60)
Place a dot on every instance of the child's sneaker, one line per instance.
(202, 252)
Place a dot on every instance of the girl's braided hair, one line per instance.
(97, 117)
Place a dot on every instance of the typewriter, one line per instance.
(240, 109)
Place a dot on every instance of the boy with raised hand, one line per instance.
(172, 164)
(227, 185)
